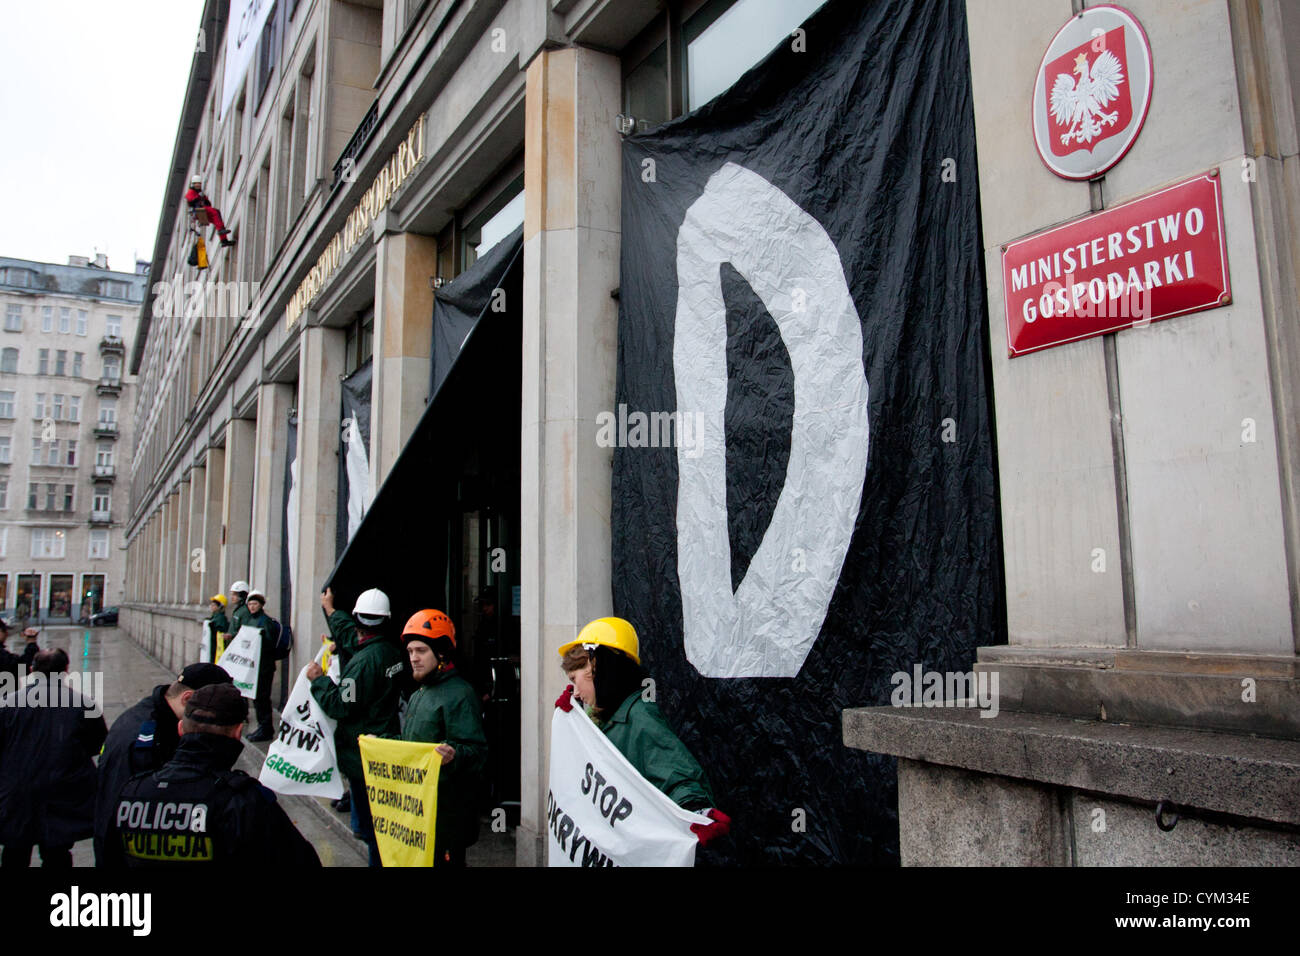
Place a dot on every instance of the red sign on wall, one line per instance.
(1152, 258)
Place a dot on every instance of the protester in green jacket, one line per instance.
(343, 630)
(445, 711)
(238, 606)
(604, 665)
(217, 622)
(363, 702)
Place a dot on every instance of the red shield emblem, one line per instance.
(1088, 94)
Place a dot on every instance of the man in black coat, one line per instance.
(197, 810)
(48, 740)
(146, 737)
(9, 663)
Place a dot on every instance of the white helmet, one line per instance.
(256, 593)
(372, 607)
(196, 182)
(240, 587)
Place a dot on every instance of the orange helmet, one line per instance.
(429, 625)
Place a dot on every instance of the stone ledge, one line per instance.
(1245, 776)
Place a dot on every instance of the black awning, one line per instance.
(402, 545)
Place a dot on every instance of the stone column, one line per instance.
(194, 538)
(404, 264)
(273, 404)
(180, 561)
(320, 365)
(237, 501)
(213, 496)
(571, 251)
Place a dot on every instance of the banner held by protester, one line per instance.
(601, 812)
(402, 784)
(302, 758)
(241, 659)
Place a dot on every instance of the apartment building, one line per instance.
(65, 406)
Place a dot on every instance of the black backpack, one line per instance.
(282, 636)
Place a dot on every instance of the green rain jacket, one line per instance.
(446, 710)
(219, 624)
(364, 701)
(343, 632)
(238, 618)
(641, 734)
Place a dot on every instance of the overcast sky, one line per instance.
(90, 97)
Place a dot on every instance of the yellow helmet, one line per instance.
(611, 632)
(219, 598)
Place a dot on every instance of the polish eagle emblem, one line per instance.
(1081, 105)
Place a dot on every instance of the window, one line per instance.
(102, 502)
(77, 359)
(51, 496)
(108, 410)
(48, 543)
(726, 39)
(268, 52)
(112, 368)
(98, 543)
(74, 408)
(4, 493)
(68, 497)
(14, 318)
(52, 453)
(47, 318)
(65, 320)
(113, 326)
(9, 360)
(43, 362)
(81, 321)
(6, 450)
(40, 405)
(37, 451)
(33, 489)
(6, 404)
(71, 459)
(4, 551)
(103, 455)
(56, 408)
(495, 223)
(61, 362)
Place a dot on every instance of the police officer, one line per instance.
(145, 737)
(196, 809)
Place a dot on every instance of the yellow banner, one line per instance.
(402, 784)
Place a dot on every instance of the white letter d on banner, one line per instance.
(768, 625)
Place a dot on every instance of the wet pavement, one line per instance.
(130, 674)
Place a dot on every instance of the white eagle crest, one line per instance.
(1082, 106)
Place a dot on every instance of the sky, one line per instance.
(90, 98)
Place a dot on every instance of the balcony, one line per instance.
(109, 385)
(101, 517)
(349, 159)
(104, 473)
(105, 429)
(112, 344)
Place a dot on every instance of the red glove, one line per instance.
(565, 700)
(708, 832)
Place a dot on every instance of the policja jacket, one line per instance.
(197, 810)
(142, 740)
(47, 773)
(365, 699)
(643, 736)
(446, 710)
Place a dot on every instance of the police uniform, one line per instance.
(197, 810)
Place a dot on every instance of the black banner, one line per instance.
(804, 486)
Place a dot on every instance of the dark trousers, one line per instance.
(265, 677)
(20, 854)
(363, 827)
